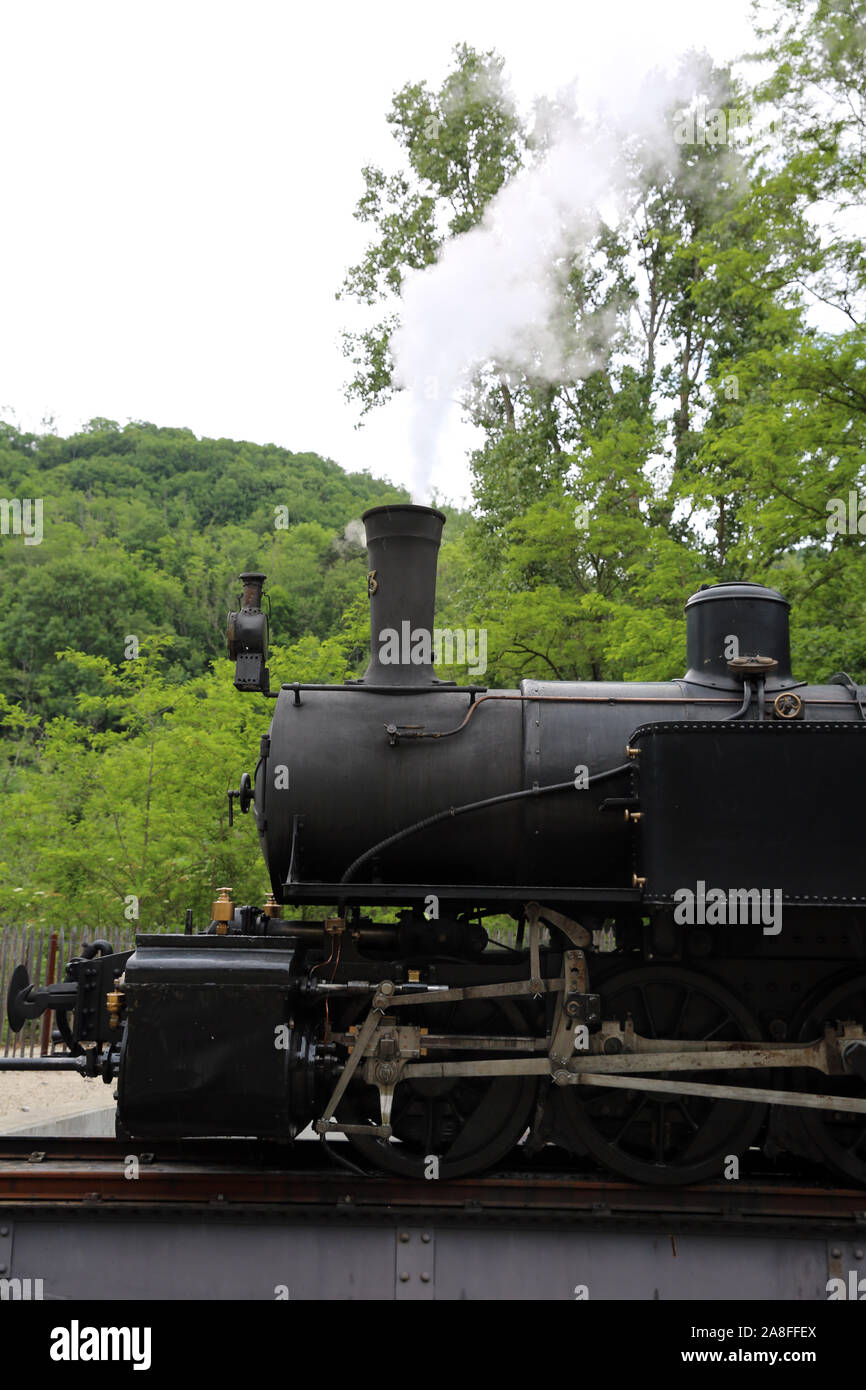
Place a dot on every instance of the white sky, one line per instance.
(179, 180)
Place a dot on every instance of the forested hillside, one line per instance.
(121, 728)
(145, 531)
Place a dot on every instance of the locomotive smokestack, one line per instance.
(403, 546)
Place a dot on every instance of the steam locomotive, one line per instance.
(680, 865)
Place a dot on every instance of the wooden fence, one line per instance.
(45, 951)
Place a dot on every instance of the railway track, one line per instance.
(39, 1174)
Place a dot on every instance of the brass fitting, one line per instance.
(272, 908)
(223, 910)
(114, 1001)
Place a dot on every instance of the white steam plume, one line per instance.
(492, 294)
(354, 532)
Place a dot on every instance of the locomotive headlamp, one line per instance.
(247, 637)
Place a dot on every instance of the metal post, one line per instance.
(49, 980)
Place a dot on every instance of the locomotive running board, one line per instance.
(484, 894)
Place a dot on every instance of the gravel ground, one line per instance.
(28, 1097)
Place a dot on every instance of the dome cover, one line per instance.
(724, 621)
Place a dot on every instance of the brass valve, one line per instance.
(223, 910)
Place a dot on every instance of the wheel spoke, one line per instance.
(861, 1139)
(660, 1132)
(457, 1111)
(598, 1098)
(726, 1018)
(429, 1112)
(684, 1111)
(629, 1120)
(648, 1011)
(687, 997)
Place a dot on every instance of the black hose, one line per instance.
(472, 806)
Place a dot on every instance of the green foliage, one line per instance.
(145, 533)
(718, 422)
(137, 810)
(116, 766)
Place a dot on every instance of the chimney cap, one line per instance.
(402, 508)
(401, 521)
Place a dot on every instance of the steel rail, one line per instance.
(165, 1187)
